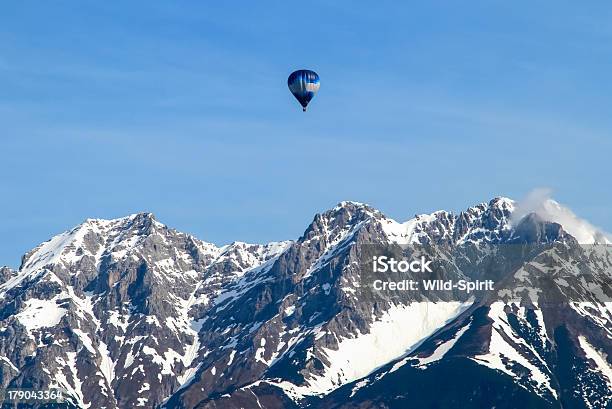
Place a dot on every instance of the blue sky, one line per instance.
(182, 109)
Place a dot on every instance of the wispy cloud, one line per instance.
(540, 202)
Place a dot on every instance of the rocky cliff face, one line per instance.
(127, 313)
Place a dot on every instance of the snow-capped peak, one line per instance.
(90, 238)
(406, 232)
(504, 203)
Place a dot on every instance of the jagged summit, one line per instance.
(502, 202)
(133, 216)
(351, 203)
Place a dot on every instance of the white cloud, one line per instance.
(539, 201)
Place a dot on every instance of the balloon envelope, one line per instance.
(303, 84)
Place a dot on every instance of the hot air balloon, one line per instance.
(303, 84)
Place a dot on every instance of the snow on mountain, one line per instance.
(503, 352)
(40, 314)
(441, 349)
(601, 364)
(408, 231)
(389, 337)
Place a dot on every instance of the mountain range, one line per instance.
(130, 313)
